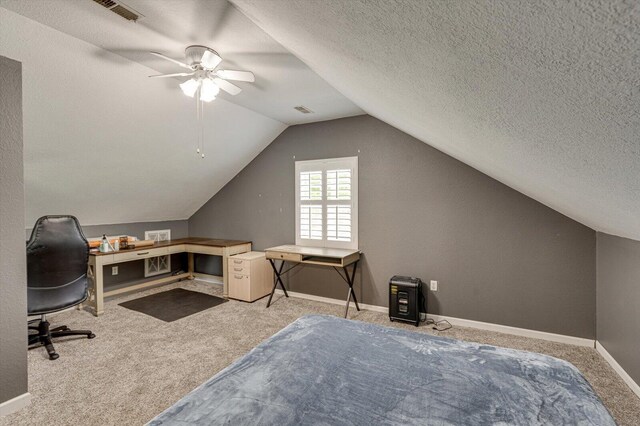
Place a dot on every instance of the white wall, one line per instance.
(109, 145)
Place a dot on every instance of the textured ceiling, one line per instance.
(168, 26)
(542, 95)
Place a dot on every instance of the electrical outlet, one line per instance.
(114, 270)
(434, 285)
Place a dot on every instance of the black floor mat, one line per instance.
(173, 304)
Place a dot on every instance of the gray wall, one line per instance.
(179, 228)
(618, 300)
(499, 256)
(13, 270)
(134, 271)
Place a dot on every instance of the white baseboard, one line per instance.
(212, 279)
(525, 332)
(333, 301)
(578, 341)
(15, 404)
(618, 369)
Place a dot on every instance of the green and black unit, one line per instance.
(404, 299)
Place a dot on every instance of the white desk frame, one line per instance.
(97, 294)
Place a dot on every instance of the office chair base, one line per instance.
(44, 336)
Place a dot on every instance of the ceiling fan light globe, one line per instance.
(190, 87)
(207, 99)
(209, 90)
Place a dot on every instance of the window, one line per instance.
(327, 203)
(161, 264)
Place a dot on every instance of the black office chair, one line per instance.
(57, 260)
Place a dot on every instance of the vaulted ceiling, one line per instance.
(543, 96)
(168, 26)
(109, 145)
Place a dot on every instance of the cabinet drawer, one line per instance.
(139, 254)
(239, 287)
(242, 269)
(238, 263)
(238, 277)
(293, 257)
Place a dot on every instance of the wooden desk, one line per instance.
(192, 246)
(300, 255)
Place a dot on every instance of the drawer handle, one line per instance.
(238, 276)
(237, 269)
(142, 254)
(237, 261)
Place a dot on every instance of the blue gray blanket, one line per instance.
(322, 370)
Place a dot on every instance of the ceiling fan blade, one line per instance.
(177, 74)
(230, 88)
(210, 60)
(182, 64)
(236, 75)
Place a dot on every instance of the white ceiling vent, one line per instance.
(121, 9)
(303, 110)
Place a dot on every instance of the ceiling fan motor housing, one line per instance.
(193, 54)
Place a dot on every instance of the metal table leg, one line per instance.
(278, 272)
(350, 293)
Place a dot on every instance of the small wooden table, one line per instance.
(300, 255)
(191, 246)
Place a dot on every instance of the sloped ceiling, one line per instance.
(109, 145)
(168, 26)
(543, 95)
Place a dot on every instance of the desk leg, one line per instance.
(97, 294)
(191, 265)
(351, 293)
(225, 273)
(277, 280)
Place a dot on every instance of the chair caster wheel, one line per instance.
(391, 319)
(53, 356)
(91, 336)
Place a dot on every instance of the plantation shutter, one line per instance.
(326, 203)
(339, 205)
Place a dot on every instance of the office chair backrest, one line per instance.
(57, 260)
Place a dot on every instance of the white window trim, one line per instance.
(159, 235)
(324, 165)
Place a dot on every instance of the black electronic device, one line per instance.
(404, 299)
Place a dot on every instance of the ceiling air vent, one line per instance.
(303, 110)
(106, 3)
(121, 9)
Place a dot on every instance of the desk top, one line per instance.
(314, 255)
(314, 251)
(199, 241)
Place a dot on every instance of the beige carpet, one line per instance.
(137, 365)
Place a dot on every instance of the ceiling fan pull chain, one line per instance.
(199, 125)
(202, 128)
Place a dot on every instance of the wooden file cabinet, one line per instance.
(250, 276)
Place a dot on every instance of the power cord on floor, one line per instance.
(442, 325)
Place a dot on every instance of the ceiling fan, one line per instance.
(202, 61)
